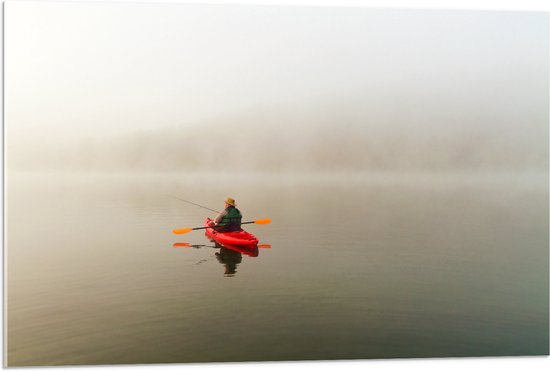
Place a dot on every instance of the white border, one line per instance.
(516, 5)
(451, 364)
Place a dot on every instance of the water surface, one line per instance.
(360, 266)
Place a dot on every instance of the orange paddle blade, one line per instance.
(262, 221)
(182, 244)
(265, 246)
(182, 231)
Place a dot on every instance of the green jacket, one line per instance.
(229, 220)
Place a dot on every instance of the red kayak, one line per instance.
(241, 238)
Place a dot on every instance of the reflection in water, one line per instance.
(230, 259)
(185, 244)
(228, 255)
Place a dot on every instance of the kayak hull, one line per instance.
(241, 238)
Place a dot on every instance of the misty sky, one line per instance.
(98, 70)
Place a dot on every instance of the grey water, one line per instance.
(359, 266)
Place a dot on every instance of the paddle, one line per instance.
(187, 230)
(182, 244)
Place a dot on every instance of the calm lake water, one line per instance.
(360, 266)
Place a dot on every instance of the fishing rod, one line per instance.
(192, 203)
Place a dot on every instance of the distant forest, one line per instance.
(310, 141)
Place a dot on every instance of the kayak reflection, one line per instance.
(230, 259)
(251, 251)
(228, 255)
(231, 256)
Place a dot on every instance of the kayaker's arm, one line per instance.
(219, 218)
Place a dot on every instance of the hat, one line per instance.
(230, 201)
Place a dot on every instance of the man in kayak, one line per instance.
(229, 220)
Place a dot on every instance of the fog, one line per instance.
(402, 156)
(178, 87)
